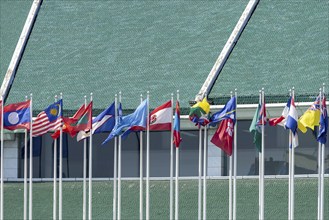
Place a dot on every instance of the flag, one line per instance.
(254, 129)
(81, 120)
(17, 116)
(199, 113)
(177, 138)
(223, 137)
(104, 122)
(282, 119)
(160, 118)
(49, 119)
(132, 122)
(228, 111)
(311, 117)
(322, 137)
(291, 122)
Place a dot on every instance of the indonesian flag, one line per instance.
(161, 117)
(223, 137)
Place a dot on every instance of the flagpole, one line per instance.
(263, 156)
(319, 165)
(200, 173)
(31, 161)
(293, 170)
(55, 177)
(171, 162)
(141, 171)
(177, 170)
(2, 146)
(60, 211)
(25, 168)
(119, 171)
(148, 160)
(115, 168)
(290, 162)
(322, 165)
(84, 203)
(205, 173)
(230, 199)
(260, 157)
(235, 158)
(90, 168)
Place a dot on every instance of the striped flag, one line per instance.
(49, 119)
(177, 138)
(160, 117)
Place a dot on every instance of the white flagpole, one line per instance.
(119, 171)
(200, 173)
(31, 162)
(263, 159)
(84, 202)
(230, 199)
(90, 213)
(171, 161)
(115, 168)
(260, 157)
(322, 168)
(205, 145)
(289, 185)
(235, 158)
(319, 168)
(2, 146)
(55, 177)
(25, 170)
(148, 159)
(141, 171)
(60, 205)
(293, 169)
(177, 171)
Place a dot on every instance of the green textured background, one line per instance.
(276, 199)
(285, 44)
(12, 16)
(78, 47)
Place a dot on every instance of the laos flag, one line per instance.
(17, 116)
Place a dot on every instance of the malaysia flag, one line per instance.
(161, 117)
(49, 119)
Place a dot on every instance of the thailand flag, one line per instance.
(161, 117)
(17, 116)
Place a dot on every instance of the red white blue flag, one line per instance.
(177, 138)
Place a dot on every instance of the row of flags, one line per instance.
(18, 116)
(315, 115)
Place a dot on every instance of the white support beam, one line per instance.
(221, 60)
(11, 72)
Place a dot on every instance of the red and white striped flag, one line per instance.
(49, 119)
(160, 117)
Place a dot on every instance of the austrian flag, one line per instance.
(161, 117)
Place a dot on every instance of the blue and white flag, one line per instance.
(104, 122)
(132, 122)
